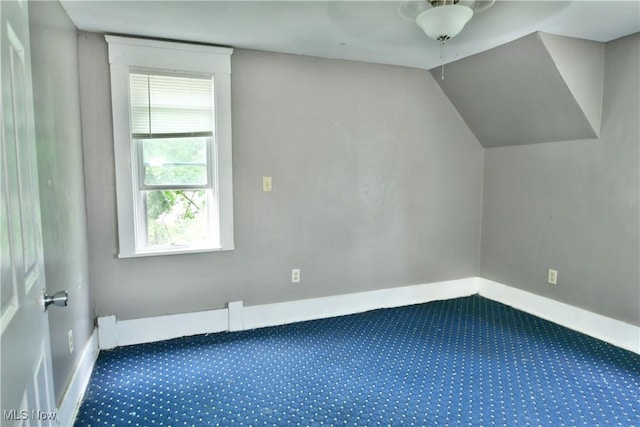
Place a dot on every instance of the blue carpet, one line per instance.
(467, 361)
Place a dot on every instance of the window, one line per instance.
(172, 144)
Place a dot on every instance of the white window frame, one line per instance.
(127, 55)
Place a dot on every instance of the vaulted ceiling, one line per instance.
(520, 72)
(372, 31)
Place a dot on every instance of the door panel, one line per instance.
(8, 284)
(25, 356)
(23, 153)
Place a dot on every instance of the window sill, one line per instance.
(162, 252)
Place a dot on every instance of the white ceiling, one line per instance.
(371, 31)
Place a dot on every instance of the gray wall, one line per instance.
(377, 183)
(54, 56)
(573, 206)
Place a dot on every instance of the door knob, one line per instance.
(60, 298)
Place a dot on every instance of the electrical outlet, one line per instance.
(70, 341)
(266, 184)
(552, 277)
(295, 275)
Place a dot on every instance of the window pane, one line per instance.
(177, 218)
(174, 161)
(170, 104)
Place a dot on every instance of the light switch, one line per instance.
(295, 275)
(266, 184)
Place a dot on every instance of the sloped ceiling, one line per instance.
(539, 88)
(370, 31)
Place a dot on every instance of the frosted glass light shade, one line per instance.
(444, 22)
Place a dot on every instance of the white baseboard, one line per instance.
(259, 316)
(70, 403)
(115, 333)
(235, 316)
(613, 331)
(107, 332)
(160, 328)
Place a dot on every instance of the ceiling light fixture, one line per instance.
(444, 20)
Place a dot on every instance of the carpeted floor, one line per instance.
(467, 361)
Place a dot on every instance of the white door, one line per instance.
(27, 389)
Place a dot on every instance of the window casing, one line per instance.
(172, 145)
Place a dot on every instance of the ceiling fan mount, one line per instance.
(477, 5)
(435, 3)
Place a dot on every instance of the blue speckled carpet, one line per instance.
(467, 361)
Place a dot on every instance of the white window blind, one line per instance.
(170, 106)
